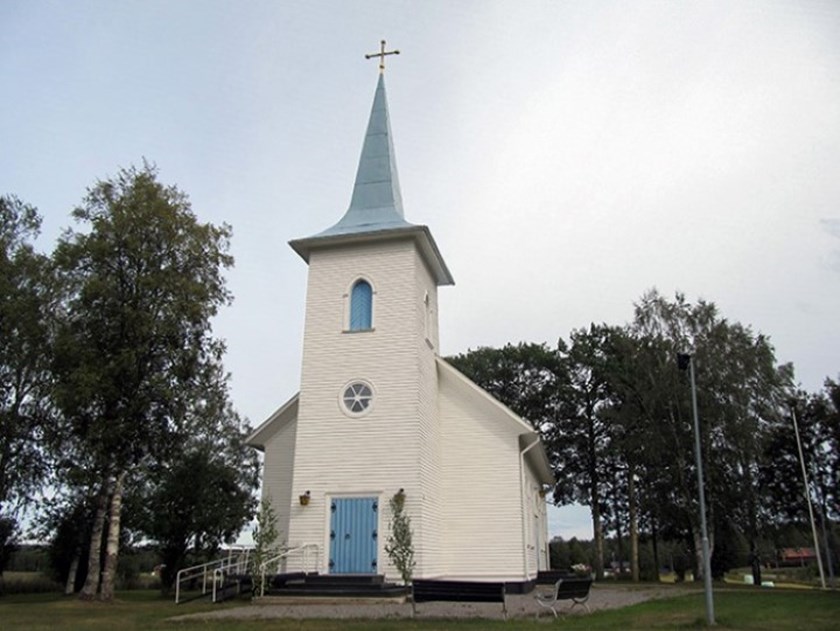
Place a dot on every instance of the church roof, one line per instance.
(377, 202)
(284, 414)
(376, 208)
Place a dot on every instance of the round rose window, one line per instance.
(357, 397)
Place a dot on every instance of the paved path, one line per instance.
(518, 606)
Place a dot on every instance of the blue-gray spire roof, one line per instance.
(376, 209)
(376, 203)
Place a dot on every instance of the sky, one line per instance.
(567, 156)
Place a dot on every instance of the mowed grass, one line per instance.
(765, 610)
(770, 610)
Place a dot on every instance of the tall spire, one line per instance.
(377, 202)
(376, 208)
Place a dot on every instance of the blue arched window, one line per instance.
(361, 306)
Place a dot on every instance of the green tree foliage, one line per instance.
(198, 500)
(615, 416)
(143, 278)
(8, 545)
(66, 522)
(740, 391)
(400, 545)
(559, 556)
(818, 418)
(581, 441)
(830, 493)
(523, 377)
(25, 308)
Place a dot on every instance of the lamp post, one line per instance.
(685, 361)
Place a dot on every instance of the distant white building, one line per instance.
(378, 410)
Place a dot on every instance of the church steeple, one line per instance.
(377, 202)
(376, 207)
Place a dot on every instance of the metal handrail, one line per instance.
(237, 564)
(218, 577)
(285, 554)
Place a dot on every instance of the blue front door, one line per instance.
(353, 535)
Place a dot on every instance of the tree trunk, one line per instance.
(698, 550)
(634, 525)
(755, 563)
(711, 526)
(91, 586)
(70, 584)
(112, 547)
(755, 560)
(598, 531)
(826, 546)
(655, 539)
(698, 554)
(618, 541)
(172, 559)
(595, 496)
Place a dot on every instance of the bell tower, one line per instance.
(368, 422)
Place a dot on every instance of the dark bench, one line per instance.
(427, 590)
(549, 577)
(570, 588)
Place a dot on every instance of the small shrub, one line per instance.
(400, 547)
(265, 542)
(27, 583)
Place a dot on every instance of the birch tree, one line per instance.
(739, 390)
(143, 277)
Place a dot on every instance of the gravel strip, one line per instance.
(518, 606)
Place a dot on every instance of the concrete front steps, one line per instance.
(283, 588)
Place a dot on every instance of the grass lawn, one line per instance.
(770, 610)
(767, 609)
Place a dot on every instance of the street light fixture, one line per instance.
(685, 361)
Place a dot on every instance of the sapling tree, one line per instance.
(400, 547)
(265, 542)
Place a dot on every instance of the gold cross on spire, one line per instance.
(381, 54)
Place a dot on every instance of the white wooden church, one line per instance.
(379, 410)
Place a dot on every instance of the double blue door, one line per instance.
(353, 536)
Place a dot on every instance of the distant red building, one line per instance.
(796, 556)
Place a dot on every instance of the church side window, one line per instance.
(357, 398)
(361, 306)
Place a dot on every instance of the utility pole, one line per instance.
(807, 494)
(684, 361)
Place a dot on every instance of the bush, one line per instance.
(27, 583)
(29, 558)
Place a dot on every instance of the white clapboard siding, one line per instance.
(278, 466)
(456, 452)
(428, 525)
(481, 491)
(380, 452)
(276, 438)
